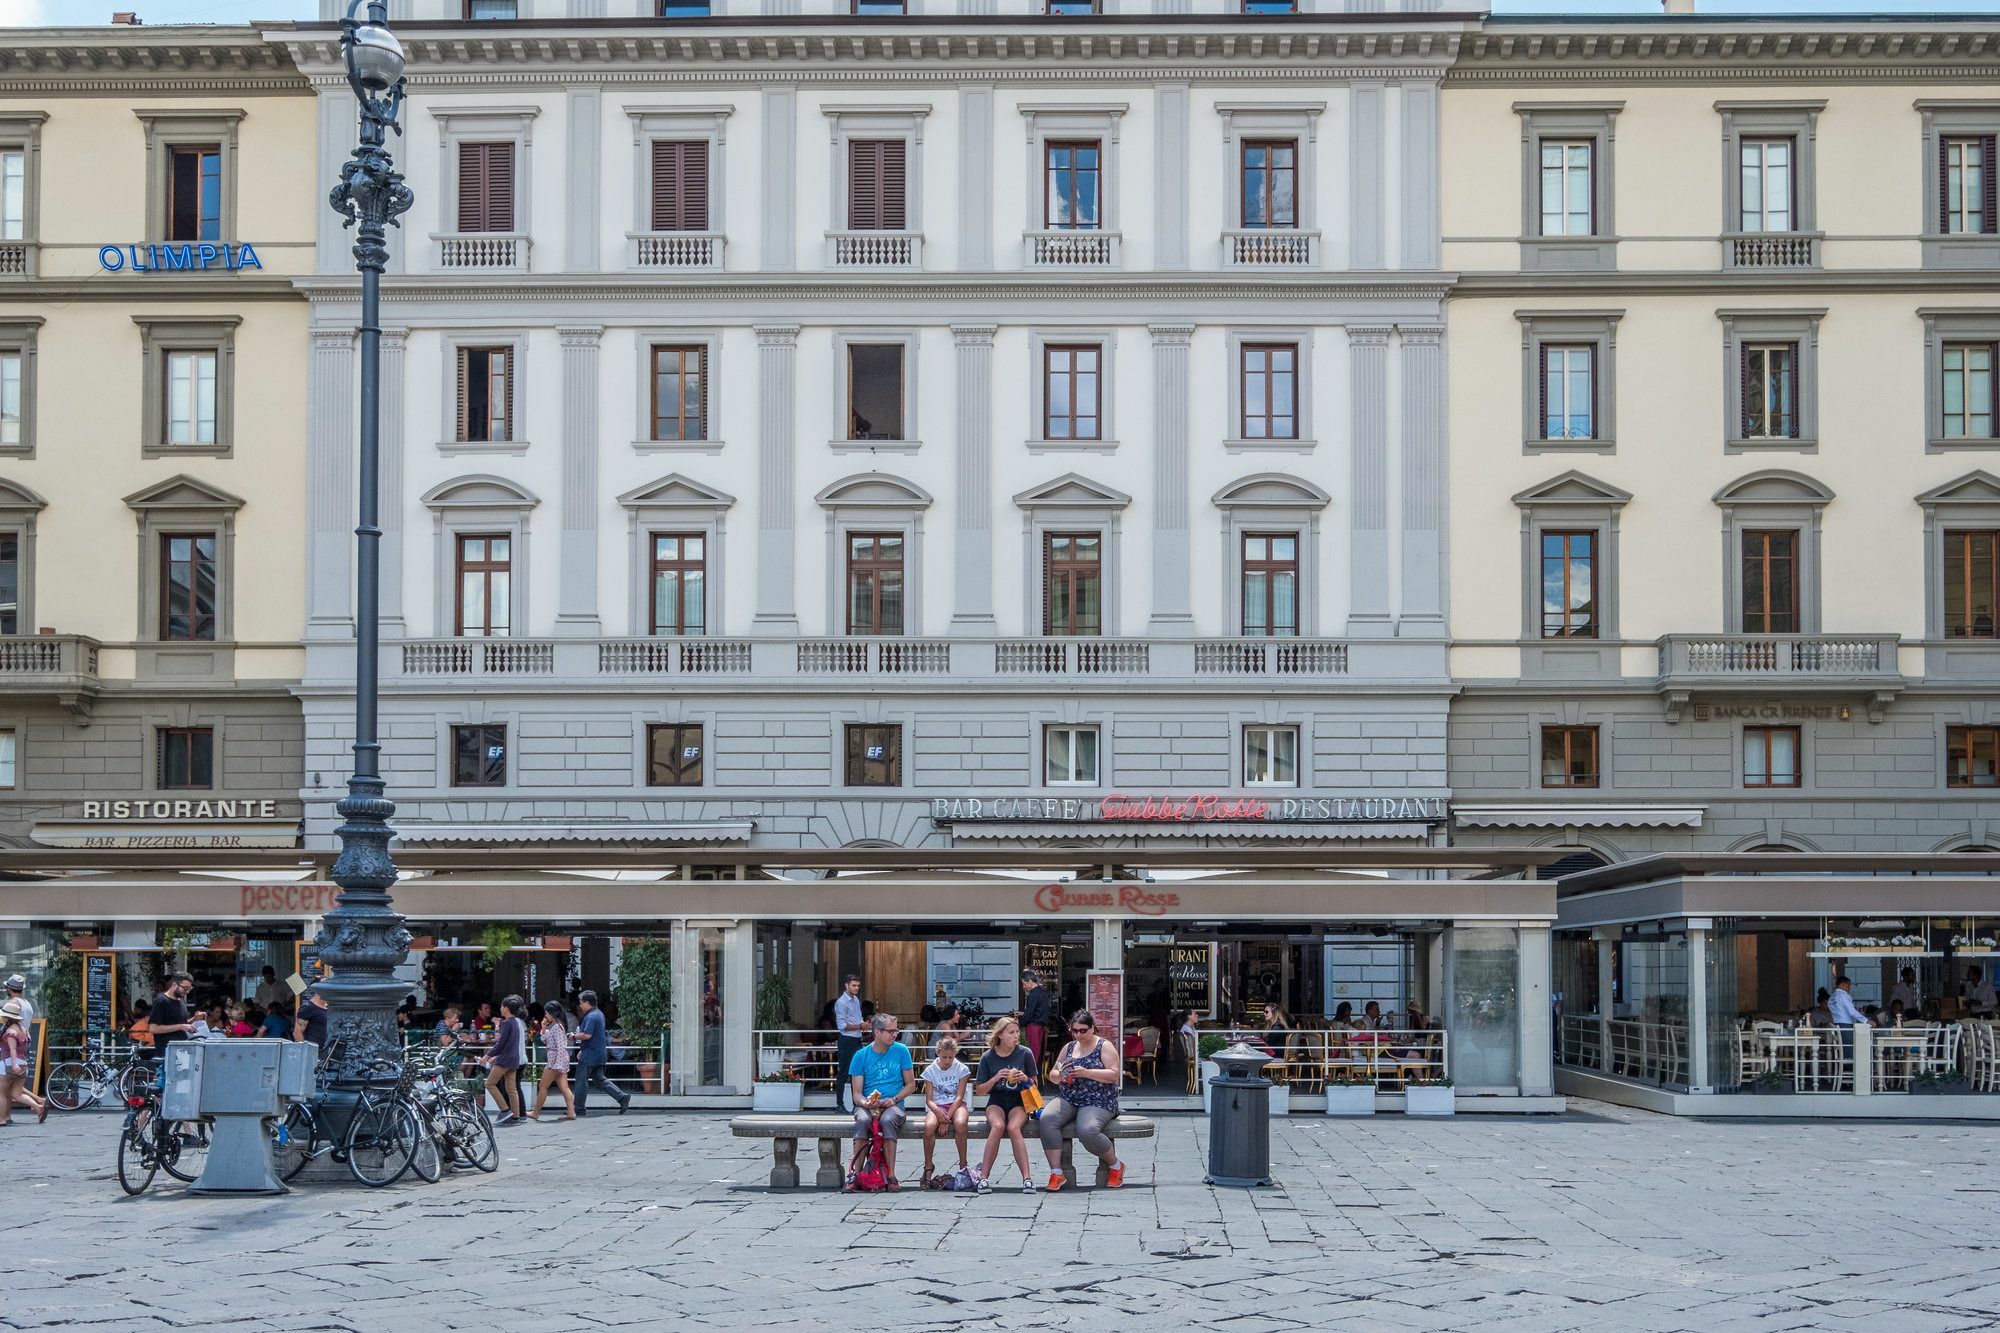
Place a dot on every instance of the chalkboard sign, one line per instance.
(100, 992)
(1104, 996)
(1190, 978)
(1047, 960)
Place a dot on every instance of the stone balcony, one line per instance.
(1771, 249)
(1001, 663)
(1270, 247)
(62, 667)
(1792, 664)
(482, 252)
(17, 259)
(875, 249)
(1071, 247)
(678, 250)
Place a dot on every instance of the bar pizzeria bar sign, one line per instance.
(248, 821)
(1205, 808)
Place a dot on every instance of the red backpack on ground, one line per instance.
(870, 1173)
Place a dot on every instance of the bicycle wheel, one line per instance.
(183, 1148)
(292, 1143)
(134, 1079)
(381, 1140)
(136, 1163)
(73, 1085)
(470, 1134)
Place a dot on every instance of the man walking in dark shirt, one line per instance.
(168, 1018)
(1037, 1007)
(592, 1051)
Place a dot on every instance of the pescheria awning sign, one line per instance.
(181, 256)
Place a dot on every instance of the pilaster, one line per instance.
(780, 114)
(972, 511)
(1172, 613)
(330, 463)
(1421, 359)
(1364, 177)
(1170, 192)
(390, 447)
(1368, 395)
(576, 601)
(777, 449)
(975, 176)
(1418, 171)
(339, 128)
(580, 226)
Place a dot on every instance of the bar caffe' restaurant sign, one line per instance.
(248, 821)
(1205, 808)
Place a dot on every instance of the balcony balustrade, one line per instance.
(1270, 247)
(1771, 250)
(490, 252)
(1071, 248)
(676, 249)
(875, 249)
(1863, 664)
(58, 666)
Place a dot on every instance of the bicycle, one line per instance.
(150, 1143)
(458, 1126)
(77, 1085)
(381, 1140)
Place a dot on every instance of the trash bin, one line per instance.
(1239, 1122)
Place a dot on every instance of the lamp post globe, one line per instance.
(362, 941)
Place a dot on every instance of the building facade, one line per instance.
(154, 207)
(1722, 451)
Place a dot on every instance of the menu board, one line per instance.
(1190, 978)
(1104, 996)
(100, 992)
(1047, 960)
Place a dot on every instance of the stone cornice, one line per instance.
(612, 289)
(182, 61)
(150, 290)
(926, 51)
(1724, 285)
(1925, 50)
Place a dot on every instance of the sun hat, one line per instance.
(11, 1009)
(16, 982)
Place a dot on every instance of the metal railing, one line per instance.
(1389, 1059)
(875, 249)
(1648, 1052)
(1070, 248)
(677, 249)
(1580, 1042)
(1270, 247)
(810, 1056)
(505, 252)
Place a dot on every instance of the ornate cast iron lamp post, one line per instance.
(362, 939)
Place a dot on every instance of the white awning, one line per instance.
(1004, 831)
(1568, 815)
(604, 830)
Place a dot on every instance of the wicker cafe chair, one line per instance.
(1305, 1061)
(1149, 1053)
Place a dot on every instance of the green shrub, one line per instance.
(644, 988)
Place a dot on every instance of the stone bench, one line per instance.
(832, 1131)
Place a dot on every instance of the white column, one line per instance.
(1171, 607)
(1170, 174)
(1538, 1076)
(972, 511)
(1368, 386)
(1606, 997)
(576, 602)
(684, 1046)
(780, 108)
(739, 984)
(975, 176)
(330, 446)
(391, 465)
(777, 447)
(1697, 973)
(1421, 359)
(581, 226)
(1107, 944)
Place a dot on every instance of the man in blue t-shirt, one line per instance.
(880, 1076)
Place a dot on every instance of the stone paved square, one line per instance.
(1601, 1219)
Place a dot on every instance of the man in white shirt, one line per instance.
(270, 990)
(1905, 990)
(1979, 996)
(1845, 1016)
(847, 1022)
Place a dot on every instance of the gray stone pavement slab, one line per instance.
(1603, 1219)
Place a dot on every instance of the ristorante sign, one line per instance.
(1202, 808)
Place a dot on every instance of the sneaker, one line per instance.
(624, 1106)
(1055, 1181)
(984, 1187)
(1116, 1178)
(1027, 1186)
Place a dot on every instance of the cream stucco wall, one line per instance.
(88, 385)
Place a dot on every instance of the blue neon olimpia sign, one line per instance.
(192, 256)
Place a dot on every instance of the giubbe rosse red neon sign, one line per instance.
(1126, 897)
(1183, 809)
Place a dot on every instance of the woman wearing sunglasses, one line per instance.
(1086, 1074)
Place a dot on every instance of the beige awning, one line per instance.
(991, 830)
(1578, 815)
(414, 832)
(142, 834)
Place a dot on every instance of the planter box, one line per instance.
(1281, 1100)
(1429, 1101)
(777, 1096)
(771, 1060)
(1358, 1100)
(1209, 1070)
(556, 943)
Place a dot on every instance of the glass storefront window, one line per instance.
(710, 939)
(1485, 996)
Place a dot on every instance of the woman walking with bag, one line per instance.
(503, 1062)
(1087, 1072)
(555, 1069)
(1005, 1072)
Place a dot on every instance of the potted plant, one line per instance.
(1207, 1045)
(1350, 1092)
(1429, 1096)
(773, 1005)
(781, 1090)
(496, 942)
(644, 990)
(1935, 1083)
(1770, 1082)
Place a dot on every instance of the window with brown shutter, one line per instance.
(485, 394)
(485, 187)
(876, 184)
(1771, 581)
(680, 185)
(1966, 193)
